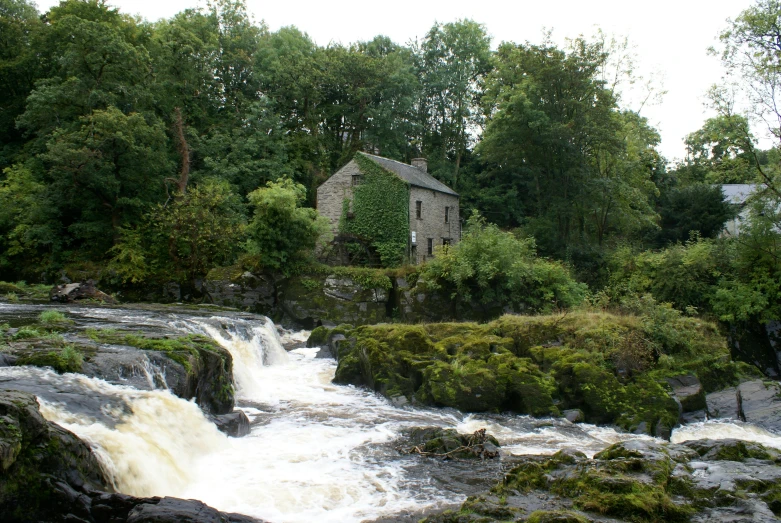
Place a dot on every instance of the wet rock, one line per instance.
(574, 415)
(731, 450)
(86, 290)
(632, 481)
(8, 360)
(448, 443)
(723, 404)
(688, 390)
(235, 287)
(47, 469)
(760, 403)
(234, 424)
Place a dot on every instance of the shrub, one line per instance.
(495, 267)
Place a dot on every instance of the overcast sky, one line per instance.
(671, 36)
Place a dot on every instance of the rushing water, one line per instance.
(316, 452)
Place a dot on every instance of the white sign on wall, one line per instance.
(414, 237)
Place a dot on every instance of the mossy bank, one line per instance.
(613, 369)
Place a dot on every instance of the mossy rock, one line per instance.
(64, 359)
(208, 366)
(731, 450)
(556, 516)
(533, 365)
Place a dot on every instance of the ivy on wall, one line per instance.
(380, 212)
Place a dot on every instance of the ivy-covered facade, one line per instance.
(401, 210)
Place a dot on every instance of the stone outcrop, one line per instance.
(49, 474)
(331, 300)
(189, 366)
(756, 401)
(639, 481)
(537, 365)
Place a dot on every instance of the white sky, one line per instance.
(671, 36)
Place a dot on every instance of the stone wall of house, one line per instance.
(331, 194)
(432, 224)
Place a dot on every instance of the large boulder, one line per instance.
(689, 392)
(315, 300)
(756, 401)
(235, 287)
(234, 424)
(760, 403)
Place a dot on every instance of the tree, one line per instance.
(560, 158)
(104, 174)
(184, 238)
(20, 66)
(453, 61)
(698, 208)
(282, 233)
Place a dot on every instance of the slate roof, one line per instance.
(411, 175)
(737, 192)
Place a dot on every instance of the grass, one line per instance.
(22, 290)
(52, 317)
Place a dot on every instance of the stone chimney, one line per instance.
(420, 163)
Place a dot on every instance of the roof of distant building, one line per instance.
(737, 192)
(411, 175)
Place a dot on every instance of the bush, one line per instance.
(495, 267)
(282, 233)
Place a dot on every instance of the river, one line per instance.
(316, 451)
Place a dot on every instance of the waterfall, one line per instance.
(148, 441)
(254, 346)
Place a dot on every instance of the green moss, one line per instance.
(182, 349)
(555, 516)
(28, 332)
(318, 337)
(231, 273)
(597, 362)
(67, 359)
(7, 288)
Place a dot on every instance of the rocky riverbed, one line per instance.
(131, 401)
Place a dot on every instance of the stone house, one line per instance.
(433, 207)
(737, 194)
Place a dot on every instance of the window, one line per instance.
(419, 210)
(357, 179)
(430, 246)
(446, 241)
(447, 214)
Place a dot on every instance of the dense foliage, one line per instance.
(493, 267)
(141, 151)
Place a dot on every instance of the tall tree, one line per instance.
(453, 61)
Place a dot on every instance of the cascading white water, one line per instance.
(149, 448)
(316, 452)
(717, 429)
